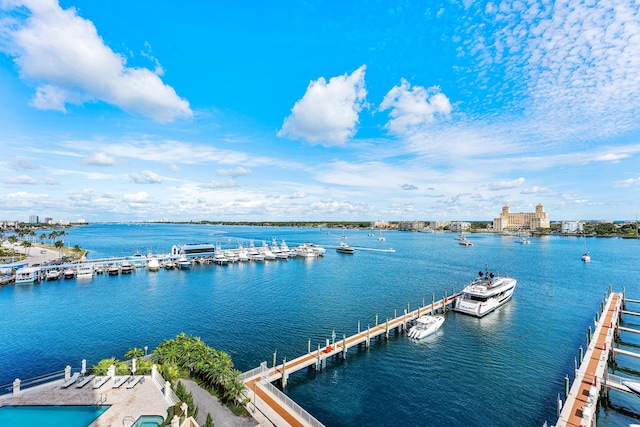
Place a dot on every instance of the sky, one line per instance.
(318, 110)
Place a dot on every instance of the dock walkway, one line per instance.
(281, 410)
(581, 403)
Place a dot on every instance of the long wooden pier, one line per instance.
(581, 403)
(280, 409)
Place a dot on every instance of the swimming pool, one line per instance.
(50, 416)
(148, 421)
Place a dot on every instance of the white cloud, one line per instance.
(99, 159)
(22, 162)
(611, 157)
(504, 185)
(215, 184)
(413, 108)
(328, 113)
(20, 180)
(50, 181)
(545, 191)
(627, 182)
(146, 177)
(70, 63)
(141, 197)
(298, 195)
(239, 171)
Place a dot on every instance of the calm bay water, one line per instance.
(503, 370)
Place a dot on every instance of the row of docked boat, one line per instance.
(252, 253)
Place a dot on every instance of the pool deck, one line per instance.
(144, 399)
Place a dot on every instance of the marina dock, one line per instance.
(593, 380)
(279, 408)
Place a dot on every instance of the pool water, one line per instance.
(50, 416)
(148, 421)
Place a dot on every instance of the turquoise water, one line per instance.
(148, 421)
(49, 416)
(503, 370)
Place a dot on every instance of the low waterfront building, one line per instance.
(410, 225)
(572, 226)
(439, 224)
(459, 226)
(521, 220)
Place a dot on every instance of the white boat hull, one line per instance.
(482, 308)
(425, 326)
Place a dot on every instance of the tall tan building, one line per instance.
(521, 220)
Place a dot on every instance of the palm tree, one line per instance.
(12, 239)
(42, 237)
(59, 245)
(234, 389)
(133, 352)
(26, 244)
(77, 250)
(52, 236)
(32, 234)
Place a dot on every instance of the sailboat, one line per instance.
(381, 238)
(585, 256)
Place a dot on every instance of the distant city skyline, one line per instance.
(301, 111)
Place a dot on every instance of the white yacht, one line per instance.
(305, 251)
(277, 251)
(27, 275)
(220, 258)
(126, 267)
(153, 264)
(254, 255)
(243, 254)
(284, 248)
(425, 326)
(485, 294)
(84, 271)
(266, 251)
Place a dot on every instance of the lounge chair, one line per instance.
(134, 381)
(119, 381)
(85, 381)
(100, 381)
(71, 380)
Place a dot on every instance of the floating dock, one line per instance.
(279, 408)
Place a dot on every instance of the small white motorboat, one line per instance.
(425, 326)
(344, 248)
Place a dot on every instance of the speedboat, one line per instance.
(484, 294)
(633, 386)
(183, 263)
(113, 270)
(126, 267)
(464, 242)
(425, 326)
(344, 248)
(54, 274)
(70, 273)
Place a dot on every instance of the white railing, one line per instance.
(161, 383)
(249, 374)
(32, 382)
(297, 409)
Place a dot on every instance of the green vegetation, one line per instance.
(187, 357)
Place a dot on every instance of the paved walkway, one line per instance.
(220, 414)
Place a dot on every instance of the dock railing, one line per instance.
(297, 409)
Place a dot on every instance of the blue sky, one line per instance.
(297, 110)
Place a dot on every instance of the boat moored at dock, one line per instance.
(84, 271)
(425, 326)
(27, 275)
(485, 294)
